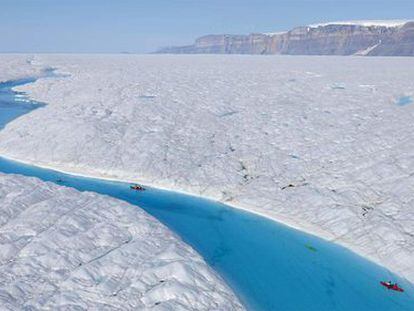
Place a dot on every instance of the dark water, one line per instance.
(268, 265)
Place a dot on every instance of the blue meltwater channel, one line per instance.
(268, 265)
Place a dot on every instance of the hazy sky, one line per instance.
(144, 25)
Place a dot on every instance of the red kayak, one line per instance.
(137, 188)
(392, 286)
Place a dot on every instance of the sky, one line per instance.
(140, 26)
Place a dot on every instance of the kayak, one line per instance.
(392, 286)
(137, 188)
(311, 248)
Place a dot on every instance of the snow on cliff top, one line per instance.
(365, 23)
(241, 130)
(277, 33)
(61, 249)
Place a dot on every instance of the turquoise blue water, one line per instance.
(11, 105)
(268, 265)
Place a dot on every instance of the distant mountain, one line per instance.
(373, 38)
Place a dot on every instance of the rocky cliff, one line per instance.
(341, 38)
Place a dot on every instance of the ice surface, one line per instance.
(273, 135)
(62, 249)
(18, 66)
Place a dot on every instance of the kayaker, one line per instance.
(137, 187)
(391, 285)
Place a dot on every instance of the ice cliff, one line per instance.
(373, 38)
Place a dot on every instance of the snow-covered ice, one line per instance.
(267, 134)
(365, 23)
(62, 249)
(277, 33)
(18, 66)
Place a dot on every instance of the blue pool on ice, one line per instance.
(405, 100)
(268, 265)
(14, 104)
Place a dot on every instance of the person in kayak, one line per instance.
(137, 187)
(391, 285)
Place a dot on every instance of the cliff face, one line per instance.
(402, 43)
(328, 39)
(333, 39)
(225, 44)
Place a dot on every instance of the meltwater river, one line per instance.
(269, 266)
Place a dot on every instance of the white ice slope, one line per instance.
(62, 249)
(241, 129)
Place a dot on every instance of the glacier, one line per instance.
(273, 135)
